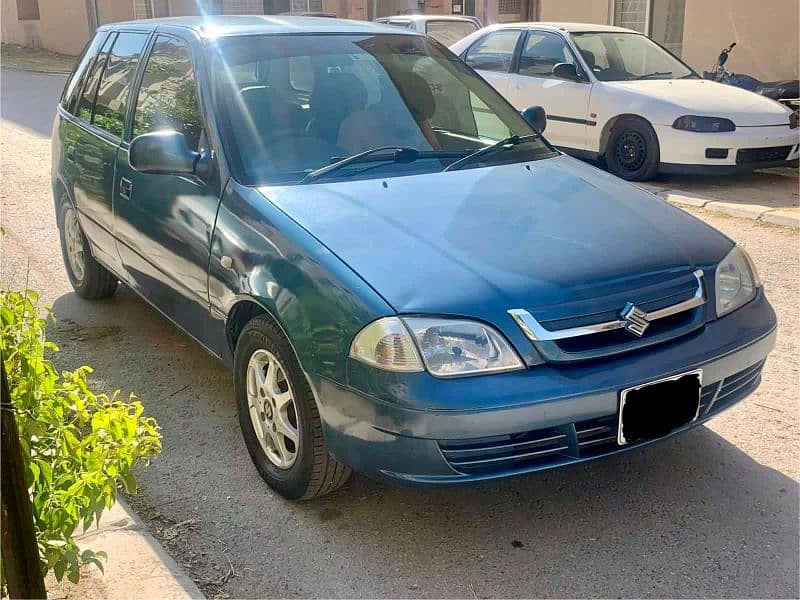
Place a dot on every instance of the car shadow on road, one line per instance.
(691, 516)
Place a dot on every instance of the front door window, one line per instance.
(168, 93)
(542, 52)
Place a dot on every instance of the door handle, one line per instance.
(71, 153)
(125, 188)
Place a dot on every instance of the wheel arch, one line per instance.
(609, 127)
(60, 190)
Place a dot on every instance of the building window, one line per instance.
(299, 6)
(662, 20)
(243, 7)
(150, 9)
(28, 10)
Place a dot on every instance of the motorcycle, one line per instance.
(787, 92)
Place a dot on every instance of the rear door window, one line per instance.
(73, 88)
(111, 104)
(86, 102)
(168, 93)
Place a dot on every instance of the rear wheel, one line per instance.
(632, 152)
(278, 416)
(89, 279)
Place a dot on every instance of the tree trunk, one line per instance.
(20, 553)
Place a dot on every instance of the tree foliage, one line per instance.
(78, 446)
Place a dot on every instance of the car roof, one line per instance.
(227, 25)
(569, 27)
(418, 17)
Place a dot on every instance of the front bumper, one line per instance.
(573, 406)
(685, 151)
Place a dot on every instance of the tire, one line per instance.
(89, 278)
(632, 152)
(297, 470)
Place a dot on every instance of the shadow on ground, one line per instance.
(693, 516)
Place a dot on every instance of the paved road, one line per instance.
(713, 513)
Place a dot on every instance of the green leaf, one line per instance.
(130, 482)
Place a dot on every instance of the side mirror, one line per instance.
(536, 118)
(162, 152)
(566, 71)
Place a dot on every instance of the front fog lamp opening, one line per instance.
(455, 347)
(736, 281)
(387, 344)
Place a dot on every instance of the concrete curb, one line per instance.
(137, 565)
(785, 217)
(45, 71)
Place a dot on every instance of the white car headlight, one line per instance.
(736, 281)
(446, 347)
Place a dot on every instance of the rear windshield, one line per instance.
(449, 32)
(292, 104)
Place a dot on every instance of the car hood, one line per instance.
(707, 98)
(478, 242)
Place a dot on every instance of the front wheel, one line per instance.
(632, 152)
(278, 416)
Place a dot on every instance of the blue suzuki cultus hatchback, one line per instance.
(407, 279)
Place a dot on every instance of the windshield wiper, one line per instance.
(654, 74)
(396, 154)
(399, 154)
(508, 142)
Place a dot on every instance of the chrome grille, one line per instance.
(622, 322)
(573, 442)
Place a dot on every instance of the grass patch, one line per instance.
(35, 59)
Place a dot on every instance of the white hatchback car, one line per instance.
(614, 94)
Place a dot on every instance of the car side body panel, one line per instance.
(318, 301)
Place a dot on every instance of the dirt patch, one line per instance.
(35, 59)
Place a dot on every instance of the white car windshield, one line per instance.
(614, 56)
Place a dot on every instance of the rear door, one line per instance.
(164, 223)
(533, 83)
(492, 56)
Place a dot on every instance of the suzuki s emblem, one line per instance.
(635, 319)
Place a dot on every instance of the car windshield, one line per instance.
(449, 32)
(290, 105)
(616, 56)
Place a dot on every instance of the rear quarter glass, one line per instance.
(76, 80)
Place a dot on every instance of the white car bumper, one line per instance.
(743, 149)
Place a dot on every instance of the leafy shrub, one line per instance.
(78, 446)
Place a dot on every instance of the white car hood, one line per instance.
(708, 98)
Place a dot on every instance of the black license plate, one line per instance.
(654, 409)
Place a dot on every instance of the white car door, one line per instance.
(566, 101)
(492, 56)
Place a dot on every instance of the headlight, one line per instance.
(453, 347)
(794, 119)
(448, 347)
(736, 281)
(703, 124)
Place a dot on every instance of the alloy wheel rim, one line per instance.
(74, 242)
(270, 400)
(631, 150)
